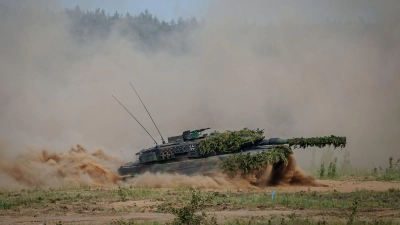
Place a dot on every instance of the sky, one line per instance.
(164, 10)
(259, 11)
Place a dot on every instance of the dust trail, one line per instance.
(277, 175)
(35, 168)
(164, 180)
(290, 175)
(78, 166)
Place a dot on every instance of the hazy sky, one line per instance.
(268, 10)
(164, 10)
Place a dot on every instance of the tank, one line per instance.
(193, 152)
(182, 153)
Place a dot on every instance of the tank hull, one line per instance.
(187, 166)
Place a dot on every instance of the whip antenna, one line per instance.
(122, 154)
(136, 120)
(148, 113)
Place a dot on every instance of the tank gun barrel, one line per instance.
(273, 141)
(319, 142)
(307, 142)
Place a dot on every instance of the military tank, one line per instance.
(182, 154)
(195, 152)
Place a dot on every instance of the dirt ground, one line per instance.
(342, 186)
(128, 210)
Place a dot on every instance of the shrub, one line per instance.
(187, 213)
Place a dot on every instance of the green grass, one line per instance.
(312, 200)
(235, 200)
(335, 206)
(41, 197)
(295, 220)
(332, 172)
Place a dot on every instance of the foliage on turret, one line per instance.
(257, 161)
(228, 141)
(232, 141)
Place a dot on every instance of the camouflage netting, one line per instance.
(257, 161)
(228, 141)
(319, 142)
(231, 141)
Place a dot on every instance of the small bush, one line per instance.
(321, 171)
(187, 214)
(122, 194)
(5, 205)
(353, 215)
(332, 171)
(392, 172)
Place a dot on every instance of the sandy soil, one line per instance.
(124, 210)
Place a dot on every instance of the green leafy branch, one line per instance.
(228, 141)
(318, 142)
(256, 161)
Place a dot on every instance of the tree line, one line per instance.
(152, 33)
(144, 26)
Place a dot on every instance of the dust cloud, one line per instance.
(44, 168)
(272, 175)
(309, 69)
(288, 175)
(78, 166)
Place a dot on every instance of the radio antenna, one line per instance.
(136, 120)
(148, 113)
(122, 154)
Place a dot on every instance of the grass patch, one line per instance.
(195, 206)
(41, 197)
(5, 205)
(253, 200)
(346, 172)
(312, 200)
(295, 220)
(133, 222)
